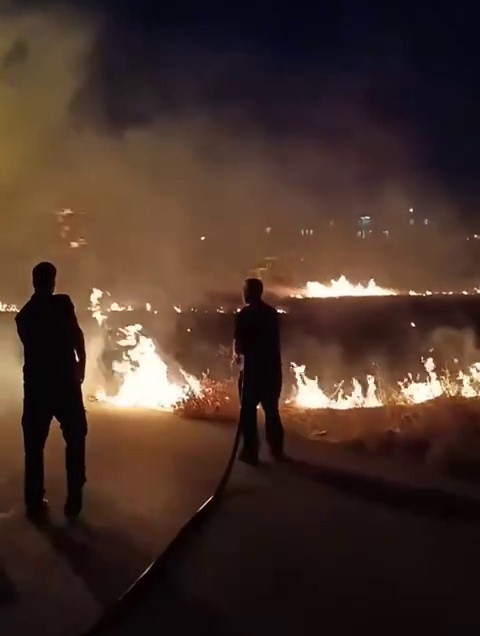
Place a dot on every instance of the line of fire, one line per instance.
(348, 346)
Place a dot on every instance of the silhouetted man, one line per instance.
(257, 349)
(53, 372)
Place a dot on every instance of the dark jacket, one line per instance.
(257, 339)
(48, 328)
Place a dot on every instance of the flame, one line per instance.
(416, 392)
(116, 307)
(343, 287)
(100, 316)
(145, 378)
(144, 375)
(7, 308)
(309, 395)
(94, 306)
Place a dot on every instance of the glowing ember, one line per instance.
(7, 308)
(117, 307)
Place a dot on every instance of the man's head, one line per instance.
(252, 290)
(43, 277)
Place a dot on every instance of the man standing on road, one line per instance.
(257, 351)
(53, 373)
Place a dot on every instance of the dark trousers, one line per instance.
(40, 406)
(265, 391)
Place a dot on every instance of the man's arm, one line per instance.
(80, 351)
(78, 341)
(20, 328)
(276, 328)
(237, 339)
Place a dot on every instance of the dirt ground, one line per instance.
(443, 433)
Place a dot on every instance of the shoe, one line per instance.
(37, 511)
(73, 505)
(248, 457)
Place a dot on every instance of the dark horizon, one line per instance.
(163, 125)
(412, 71)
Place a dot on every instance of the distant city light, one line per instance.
(202, 238)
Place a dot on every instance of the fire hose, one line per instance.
(136, 592)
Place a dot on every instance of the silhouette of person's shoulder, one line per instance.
(246, 315)
(257, 311)
(22, 312)
(268, 308)
(25, 311)
(63, 304)
(63, 300)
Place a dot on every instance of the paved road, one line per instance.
(148, 473)
(298, 554)
(285, 555)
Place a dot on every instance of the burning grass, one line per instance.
(216, 401)
(341, 286)
(433, 417)
(442, 433)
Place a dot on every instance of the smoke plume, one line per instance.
(165, 154)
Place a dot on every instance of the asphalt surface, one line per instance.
(148, 473)
(282, 554)
(285, 555)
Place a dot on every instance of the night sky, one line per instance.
(286, 67)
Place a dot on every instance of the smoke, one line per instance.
(10, 365)
(174, 169)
